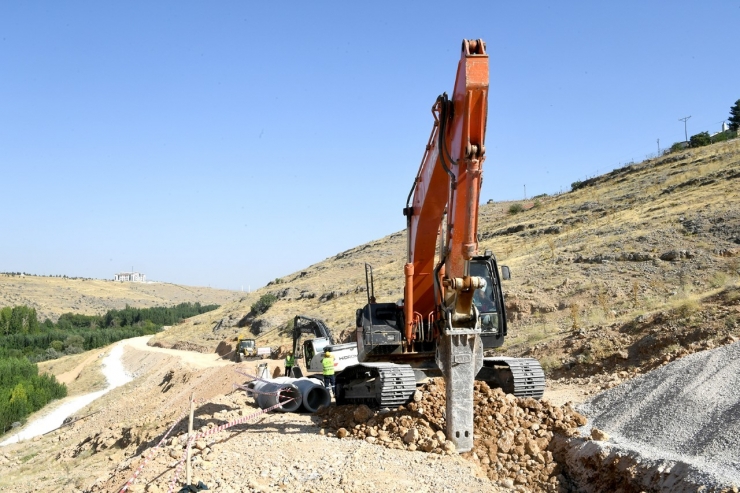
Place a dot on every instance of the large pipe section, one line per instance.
(313, 393)
(308, 394)
(270, 393)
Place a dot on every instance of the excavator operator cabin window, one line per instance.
(308, 349)
(483, 298)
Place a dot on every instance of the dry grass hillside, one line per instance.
(645, 256)
(53, 296)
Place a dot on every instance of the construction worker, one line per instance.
(289, 363)
(328, 366)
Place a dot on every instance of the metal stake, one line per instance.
(188, 465)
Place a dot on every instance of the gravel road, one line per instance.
(686, 413)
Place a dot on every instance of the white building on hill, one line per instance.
(130, 277)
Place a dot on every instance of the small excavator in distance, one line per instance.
(453, 305)
(313, 349)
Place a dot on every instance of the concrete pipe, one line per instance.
(314, 394)
(289, 396)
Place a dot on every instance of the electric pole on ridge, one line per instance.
(685, 133)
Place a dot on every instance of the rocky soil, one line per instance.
(512, 436)
(274, 452)
(634, 273)
(642, 239)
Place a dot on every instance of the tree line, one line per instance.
(23, 390)
(24, 320)
(22, 335)
(24, 341)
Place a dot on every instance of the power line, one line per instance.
(686, 134)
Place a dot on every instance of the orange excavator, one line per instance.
(453, 305)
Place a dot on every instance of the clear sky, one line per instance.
(230, 143)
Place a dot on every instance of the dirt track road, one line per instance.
(70, 376)
(197, 360)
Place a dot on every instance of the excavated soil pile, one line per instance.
(512, 435)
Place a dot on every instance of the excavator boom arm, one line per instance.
(448, 180)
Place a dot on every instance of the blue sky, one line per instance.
(230, 143)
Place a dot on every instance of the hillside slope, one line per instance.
(647, 237)
(53, 296)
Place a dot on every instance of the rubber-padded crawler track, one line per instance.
(522, 377)
(383, 385)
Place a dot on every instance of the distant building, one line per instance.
(130, 277)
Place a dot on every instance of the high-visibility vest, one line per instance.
(328, 365)
(289, 360)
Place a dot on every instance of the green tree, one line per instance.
(700, 139)
(17, 317)
(74, 340)
(5, 314)
(735, 116)
(19, 401)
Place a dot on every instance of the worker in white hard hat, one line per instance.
(328, 368)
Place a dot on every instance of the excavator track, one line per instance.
(522, 377)
(376, 384)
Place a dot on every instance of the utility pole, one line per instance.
(525, 191)
(658, 147)
(686, 134)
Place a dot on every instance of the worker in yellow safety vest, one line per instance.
(327, 365)
(289, 363)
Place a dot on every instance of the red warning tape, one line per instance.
(204, 434)
(154, 449)
(215, 430)
(252, 391)
(253, 377)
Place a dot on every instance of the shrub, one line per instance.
(678, 146)
(700, 139)
(73, 350)
(687, 308)
(52, 353)
(263, 304)
(74, 341)
(576, 185)
(718, 280)
(516, 208)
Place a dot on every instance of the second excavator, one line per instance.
(453, 305)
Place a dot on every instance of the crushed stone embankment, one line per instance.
(676, 428)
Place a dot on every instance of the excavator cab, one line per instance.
(490, 300)
(378, 331)
(247, 345)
